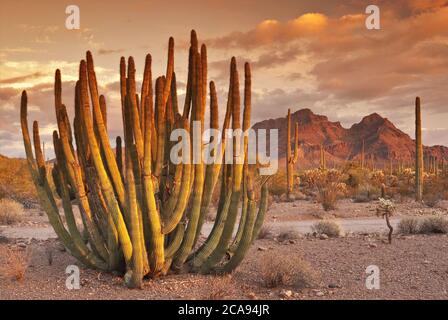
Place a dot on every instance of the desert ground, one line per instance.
(314, 266)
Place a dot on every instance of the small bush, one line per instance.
(265, 232)
(434, 225)
(286, 271)
(277, 184)
(328, 227)
(288, 234)
(10, 211)
(409, 226)
(13, 263)
(220, 288)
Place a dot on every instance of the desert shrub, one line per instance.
(328, 184)
(265, 232)
(409, 225)
(277, 184)
(220, 288)
(328, 227)
(288, 234)
(13, 263)
(10, 211)
(288, 270)
(367, 192)
(434, 224)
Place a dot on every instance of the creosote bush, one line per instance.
(10, 211)
(288, 234)
(409, 225)
(13, 263)
(328, 227)
(434, 224)
(291, 271)
(328, 184)
(265, 232)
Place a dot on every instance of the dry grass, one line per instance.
(10, 211)
(220, 288)
(265, 232)
(435, 224)
(328, 227)
(291, 271)
(288, 234)
(14, 263)
(409, 226)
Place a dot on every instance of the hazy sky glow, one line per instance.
(315, 54)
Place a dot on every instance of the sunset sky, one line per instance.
(313, 54)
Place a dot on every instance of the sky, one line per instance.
(303, 53)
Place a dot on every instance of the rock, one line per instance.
(373, 245)
(320, 293)
(21, 244)
(251, 296)
(262, 249)
(285, 293)
(292, 241)
(334, 286)
(427, 262)
(323, 236)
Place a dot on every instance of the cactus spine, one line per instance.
(136, 212)
(418, 152)
(291, 156)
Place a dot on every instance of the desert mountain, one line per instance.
(383, 141)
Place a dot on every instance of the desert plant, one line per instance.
(10, 211)
(265, 232)
(288, 234)
(386, 209)
(409, 225)
(418, 152)
(220, 288)
(14, 263)
(291, 156)
(327, 227)
(145, 218)
(292, 271)
(328, 184)
(434, 224)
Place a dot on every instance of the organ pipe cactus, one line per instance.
(141, 213)
(291, 155)
(418, 152)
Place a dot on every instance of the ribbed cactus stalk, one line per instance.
(291, 155)
(323, 161)
(363, 157)
(418, 152)
(143, 216)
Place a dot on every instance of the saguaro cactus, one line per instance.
(291, 156)
(142, 217)
(323, 161)
(363, 158)
(418, 152)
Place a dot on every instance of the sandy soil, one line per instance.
(413, 267)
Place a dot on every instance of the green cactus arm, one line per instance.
(131, 93)
(145, 90)
(78, 242)
(153, 217)
(100, 125)
(190, 234)
(176, 241)
(134, 279)
(161, 129)
(227, 233)
(261, 211)
(191, 68)
(106, 186)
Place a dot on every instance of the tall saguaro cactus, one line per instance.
(418, 152)
(291, 156)
(143, 216)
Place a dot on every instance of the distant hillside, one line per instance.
(383, 141)
(15, 181)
